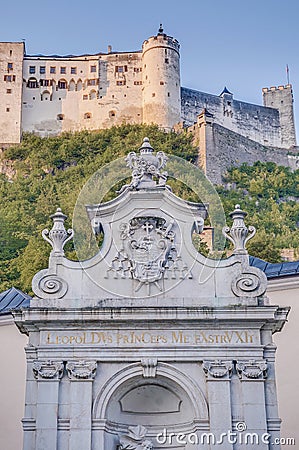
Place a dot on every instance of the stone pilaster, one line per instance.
(81, 374)
(48, 375)
(252, 375)
(218, 375)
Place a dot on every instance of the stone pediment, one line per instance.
(147, 256)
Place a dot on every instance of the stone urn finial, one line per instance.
(58, 236)
(146, 168)
(238, 234)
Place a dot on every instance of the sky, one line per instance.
(244, 45)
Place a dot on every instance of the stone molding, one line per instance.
(218, 369)
(81, 370)
(149, 367)
(252, 370)
(47, 370)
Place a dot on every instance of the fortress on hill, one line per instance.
(50, 94)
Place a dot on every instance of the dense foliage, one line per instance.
(50, 172)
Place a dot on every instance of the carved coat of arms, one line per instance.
(148, 243)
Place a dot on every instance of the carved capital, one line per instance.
(218, 369)
(81, 370)
(149, 366)
(252, 370)
(48, 370)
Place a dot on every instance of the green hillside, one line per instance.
(44, 173)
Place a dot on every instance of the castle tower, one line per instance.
(11, 72)
(281, 98)
(161, 80)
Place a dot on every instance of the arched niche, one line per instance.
(45, 96)
(171, 399)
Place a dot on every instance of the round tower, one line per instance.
(161, 99)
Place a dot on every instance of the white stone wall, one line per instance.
(87, 92)
(11, 64)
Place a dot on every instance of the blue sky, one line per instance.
(244, 45)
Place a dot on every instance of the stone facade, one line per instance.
(148, 337)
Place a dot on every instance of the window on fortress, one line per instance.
(121, 69)
(92, 82)
(62, 84)
(60, 116)
(73, 70)
(166, 61)
(8, 91)
(7, 109)
(137, 83)
(42, 69)
(52, 69)
(87, 116)
(31, 69)
(153, 94)
(120, 83)
(32, 83)
(45, 82)
(137, 69)
(85, 97)
(93, 68)
(8, 78)
(162, 83)
(9, 66)
(62, 69)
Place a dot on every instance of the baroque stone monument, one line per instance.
(148, 344)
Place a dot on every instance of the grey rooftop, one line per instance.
(12, 299)
(274, 270)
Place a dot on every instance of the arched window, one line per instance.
(87, 115)
(46, 96)
(32, 83)
(72, 85)
(79, 85)
(112, 114)
(62, 84)
(93, 94)
(60, 116)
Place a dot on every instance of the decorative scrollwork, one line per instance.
(51, 285)
(146, 167)
(135, 439)
(251, 283)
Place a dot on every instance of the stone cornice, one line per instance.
(256, 316)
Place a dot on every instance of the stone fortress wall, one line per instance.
(50, 94)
